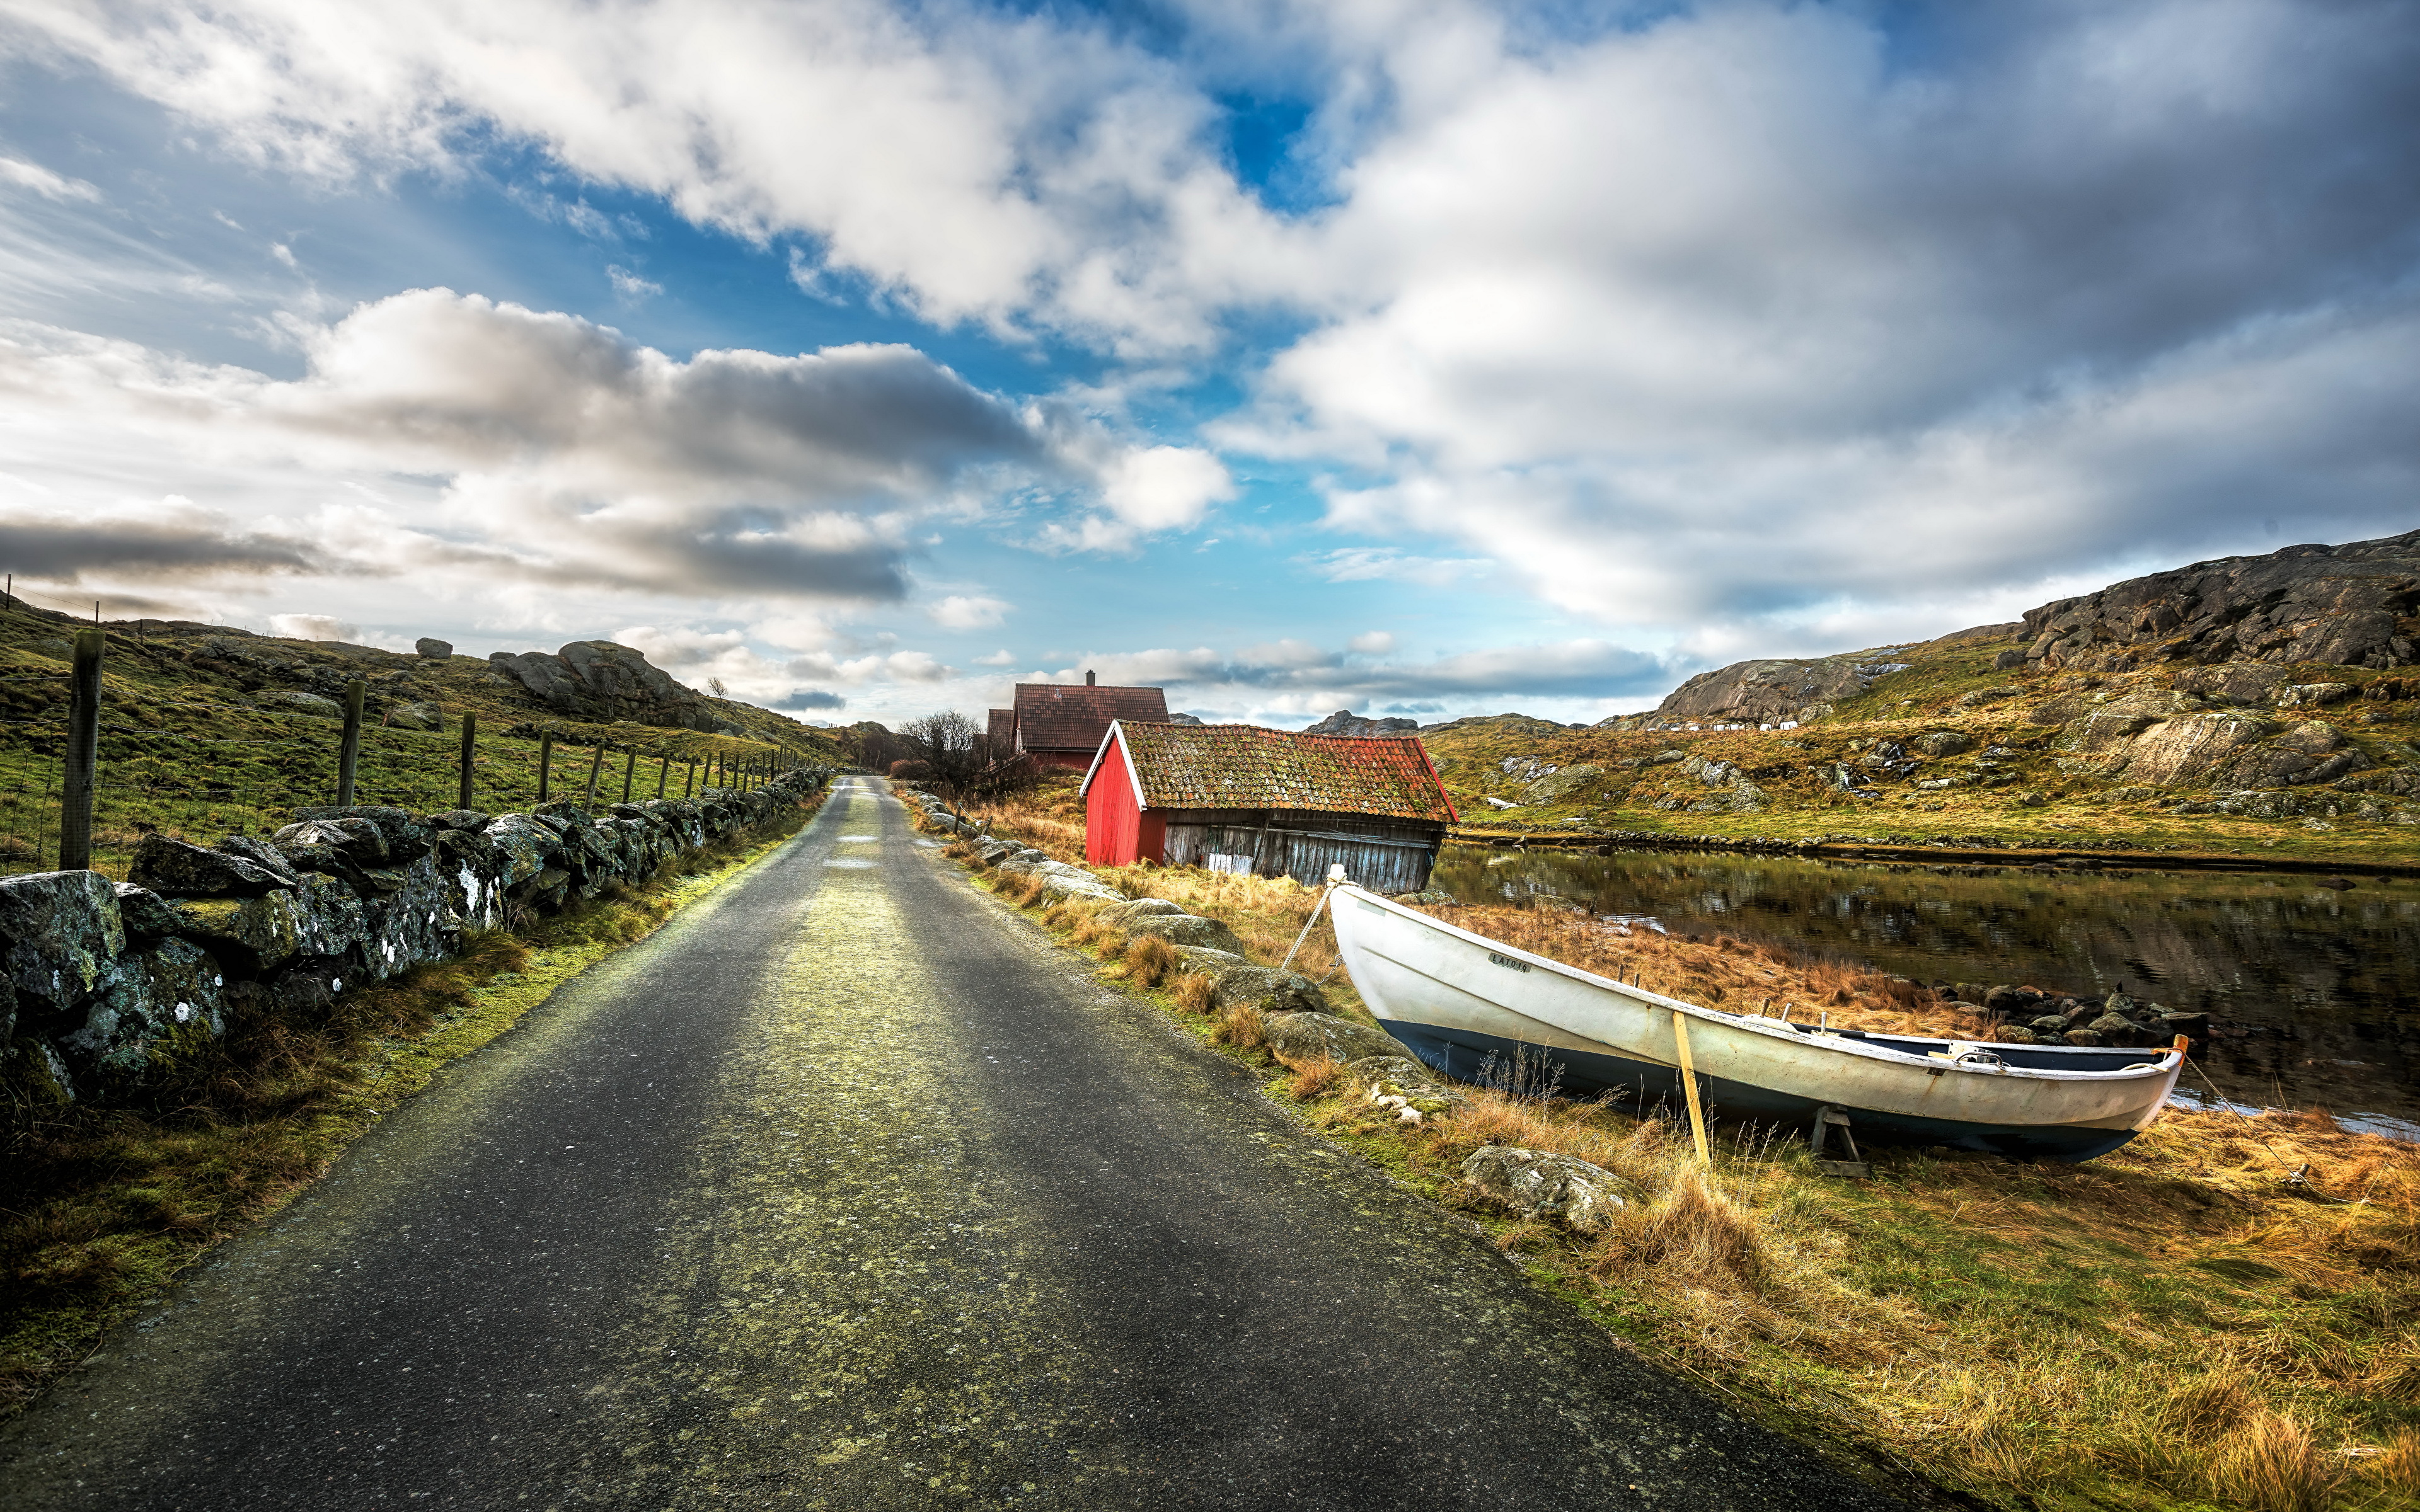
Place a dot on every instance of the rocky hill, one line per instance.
(2247, 702)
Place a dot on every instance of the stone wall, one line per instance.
(100, 981)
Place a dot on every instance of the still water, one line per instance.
(2327, 982)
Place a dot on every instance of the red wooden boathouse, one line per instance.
(1237, 797)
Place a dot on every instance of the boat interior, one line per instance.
(2029, 1058)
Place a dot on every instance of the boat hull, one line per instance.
(1456, 999)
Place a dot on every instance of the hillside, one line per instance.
(2182, 710)
(208, 730)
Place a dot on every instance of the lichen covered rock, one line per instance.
(1310, 1035)
(1537, 1184)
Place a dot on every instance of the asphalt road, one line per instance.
(847, 1189)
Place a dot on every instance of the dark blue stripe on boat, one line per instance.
(1461, 1052)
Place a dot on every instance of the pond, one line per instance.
(2327, 982)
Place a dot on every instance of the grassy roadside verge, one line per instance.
(106, 1206)
(2174, 1325)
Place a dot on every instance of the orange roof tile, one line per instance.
(1245, 766)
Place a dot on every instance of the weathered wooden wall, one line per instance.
(1383, 855)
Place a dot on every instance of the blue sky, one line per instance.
(1409, 355)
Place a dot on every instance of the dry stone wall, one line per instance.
(100, 981)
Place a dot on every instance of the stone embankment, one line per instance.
(102, 981)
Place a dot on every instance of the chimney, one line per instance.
(1088, 677)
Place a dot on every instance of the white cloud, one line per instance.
(628, 284)
(1002, 657)
(50, 186)
(1373, 643)
(313, 628)
(963, 611)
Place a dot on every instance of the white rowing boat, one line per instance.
(1456, 998)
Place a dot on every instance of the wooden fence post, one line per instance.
(663, 775)
(83, 753)
(629, 769)
(689, 778)
(545, 763)
(349, 754)
(470, 739)
(595, 771)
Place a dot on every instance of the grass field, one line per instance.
(2186, 1323)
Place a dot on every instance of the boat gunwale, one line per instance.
(2169, 1060)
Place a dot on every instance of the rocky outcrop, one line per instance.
(100, 981)
(1346, 722)
(600, 681)
(434, 649)
(1770, 692)
(2346, 605)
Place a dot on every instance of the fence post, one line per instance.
(663, 775)
(595, 771)
(689, 778)
(348, 755)
(84, 749)
(545, 762)
(470, 738)
(629, 769)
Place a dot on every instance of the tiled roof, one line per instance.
(1076, 717)
(1001, 732)
(1245, 766)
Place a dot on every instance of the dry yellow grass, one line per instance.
(2173, 1321)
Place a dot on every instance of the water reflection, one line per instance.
(2330, 981)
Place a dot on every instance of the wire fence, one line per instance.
(201, 788)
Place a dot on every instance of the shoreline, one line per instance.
(2117, 855)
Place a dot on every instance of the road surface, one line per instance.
(847, 1189)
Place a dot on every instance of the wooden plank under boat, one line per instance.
(1455, 999)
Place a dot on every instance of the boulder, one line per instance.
(262, 855)
(521, 846)
(2313, 695)
(1309, 1036)
(1398, 1070)
(61, 936)
(255, 936)
(434, 649)
(2019, 1034)
(145, 913)
(401, 833)
(1187, 929)
(1944, 743)
(174, 868)
(1266, 988)
(173, 987)
(1211, 964)
(2050, 1024)
(1537, 1184)
(600, 681)
(419, 716)
(2115, 1028)
(1125, 913)
(412, 923)
(294, 701)
(2084, 1037)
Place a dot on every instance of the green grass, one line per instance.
(195, 744)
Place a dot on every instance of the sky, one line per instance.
(1416, 357)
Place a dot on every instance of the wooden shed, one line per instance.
(1237, 797)
(1059, 724)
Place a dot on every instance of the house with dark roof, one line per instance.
(1237, 797)
(1060, 725)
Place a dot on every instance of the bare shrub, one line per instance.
(1242, 1027)
(1693, 1232)
(1194, 990)
(1315, 1077)
(1148, 961)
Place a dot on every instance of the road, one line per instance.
(847, 1189)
